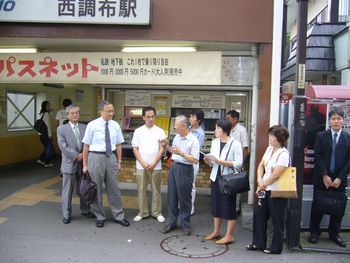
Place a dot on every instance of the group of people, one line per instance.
(96, 149)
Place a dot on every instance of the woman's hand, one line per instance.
(206, 160)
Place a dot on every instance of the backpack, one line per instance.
(40, 126)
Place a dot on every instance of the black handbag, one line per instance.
(87, 189)
(233, 183)
(40, 126)
(330, 202)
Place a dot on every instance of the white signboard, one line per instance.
(130, 12)
(198, 101)
(198, 68)
(137, 98)
(238, 71)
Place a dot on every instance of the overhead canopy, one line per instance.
(328, 92)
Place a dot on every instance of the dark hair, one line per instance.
(336, 111)
(148, 108)
(225, 125)
(233, 114)
(199, 115)
(66, 102)
(281, 133)
(102, 105)
(43, 106)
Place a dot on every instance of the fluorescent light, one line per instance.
(159, 49)
(18, 50)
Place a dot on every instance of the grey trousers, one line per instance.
(103, 169)
(180, 181)
(68, 182)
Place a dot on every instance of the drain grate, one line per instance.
(193, 246)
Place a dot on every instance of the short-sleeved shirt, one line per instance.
(239, 132)
(279, 158)
(95, 135)
(200, 135)
(188, 144)
(147, 140)
(61, 116)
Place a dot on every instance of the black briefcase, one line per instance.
(87, 189)
(330, 202)
(234, 183)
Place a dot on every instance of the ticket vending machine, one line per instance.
(132, 120)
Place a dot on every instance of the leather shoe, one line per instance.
(337, 239)
(187, 231)
(122, 222)
(313, 238)
(88, 215)
(100, 223)
(66, 220)
(168, 229)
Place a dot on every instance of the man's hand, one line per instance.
(336, 183)
(327, 181)
(85, 169)
(80, 157)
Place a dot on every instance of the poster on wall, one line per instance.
(197, 68)
(198, 101)
(161, 104)
(137, 98)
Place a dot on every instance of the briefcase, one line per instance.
(330, 202)
(234, 183)
(87, 189)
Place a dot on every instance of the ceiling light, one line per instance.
(159, 49)
(18, 50)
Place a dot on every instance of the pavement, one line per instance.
(31, 230)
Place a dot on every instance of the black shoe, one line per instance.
(187, 231)
(122, 222)
(100, 223)
(66, 220)
(168, 229)
(313, 238)
(88, 215)
(337, 239)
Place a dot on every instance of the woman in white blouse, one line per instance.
(274, 162)
(228, 155)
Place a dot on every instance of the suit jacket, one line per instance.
(323, 153)
(69, 147)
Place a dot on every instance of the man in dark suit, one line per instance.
(330, 172)
(69, 139)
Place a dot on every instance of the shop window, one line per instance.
(20, 111)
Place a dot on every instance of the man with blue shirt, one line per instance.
(102, 155)
(196, 118)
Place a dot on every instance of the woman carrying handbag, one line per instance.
(227, 154)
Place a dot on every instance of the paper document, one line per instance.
(211, 157)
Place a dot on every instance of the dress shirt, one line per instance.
(239, 132)
(333, 132)
(95, 135)
(188, 144)
(199, 133)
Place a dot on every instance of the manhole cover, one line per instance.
(193, 246)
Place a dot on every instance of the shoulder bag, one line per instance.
(330, 202)
(40, 125)
(233, 183)
(286, 184)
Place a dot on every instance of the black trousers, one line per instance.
(276, 209)
(316, 218)
(180, 181)
(49, 151)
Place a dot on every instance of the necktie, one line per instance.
(77, 135)
(108, 141)
(334, 146)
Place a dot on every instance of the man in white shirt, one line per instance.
(185, 153)
(238, 132)
(61, 115)
(148, 152)
(102, 158)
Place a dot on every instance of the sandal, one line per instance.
(252, 247)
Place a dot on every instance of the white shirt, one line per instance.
(95, 135)
(188, 144)
(239, 132)
(61, 116)
(46, 119)
(333, 132)
(147, 140)
(279, 158)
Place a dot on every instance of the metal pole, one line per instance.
(297, 140)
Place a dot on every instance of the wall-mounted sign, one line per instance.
(127, 12)
(198, 68)
(137, 98)
(238, 71)
(198, 101)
